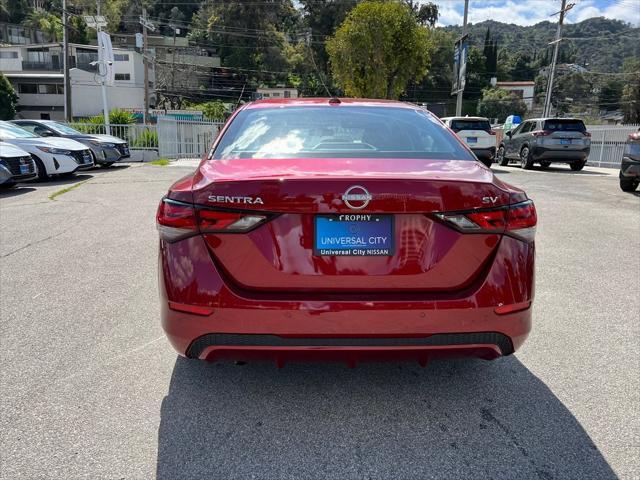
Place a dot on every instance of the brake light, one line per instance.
(518, 220)
(587, 134)
(491, 132)
(541, 133)
(177, 220)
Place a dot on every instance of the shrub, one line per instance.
(147, 138)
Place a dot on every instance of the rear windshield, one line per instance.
(565, 125)
(338, 132)
(458, 125)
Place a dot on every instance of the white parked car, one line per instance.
(477, 134)
(52, 156)
(16, 165)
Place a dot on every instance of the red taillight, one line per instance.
(586, 134)
(489, 219)
(175, 220)
(178, 220)
(541, 133)
(518, 220)
(491, 132)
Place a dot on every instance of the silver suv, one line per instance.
(546, 140)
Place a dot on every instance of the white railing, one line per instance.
(607, 144)
(185, 138)
(139, 137)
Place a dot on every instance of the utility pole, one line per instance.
(547, 99)
(464, 33)
(146, 25)
(173, 59)
(68, 114)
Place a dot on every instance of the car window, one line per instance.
(339, 132)
(8, 130)
(458, 125)
(516, 130)
(29, 127)
(526, 127)
(565, 125)
(63, 129)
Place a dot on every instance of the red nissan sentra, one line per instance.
(343, 229)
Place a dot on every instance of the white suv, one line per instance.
(477, 134)
(52, 156)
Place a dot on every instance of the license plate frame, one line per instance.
(352, 235)
(565, 141)
(472, 139)
(24, 169)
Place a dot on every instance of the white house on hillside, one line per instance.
(523, 90)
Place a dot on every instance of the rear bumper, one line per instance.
(485, 153)
(205, 318)
(555, 155)
(629, 167)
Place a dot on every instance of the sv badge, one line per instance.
(491, 200)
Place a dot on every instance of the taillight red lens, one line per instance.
(586, 134)
(209, 220)
(177, 220)
(517, 220)
(489, 219)
(175, 215)
(522, 215)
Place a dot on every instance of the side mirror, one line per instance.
(508, 133)
(46, 133)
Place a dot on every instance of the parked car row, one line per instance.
(42, 148)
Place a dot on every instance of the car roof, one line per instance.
(320, 101)
(465, 118)
(542, 119)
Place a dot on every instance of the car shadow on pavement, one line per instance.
(15, 191)
(55, 181)
(454, 419)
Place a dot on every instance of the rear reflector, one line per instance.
(518, 220)
(177, 220)
(195, 309)
(512, 308)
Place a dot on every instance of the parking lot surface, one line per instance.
(90, 388)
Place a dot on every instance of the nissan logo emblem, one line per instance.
(356, 197)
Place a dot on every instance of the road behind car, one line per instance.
(91, 388)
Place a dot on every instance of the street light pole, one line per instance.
(464, 32)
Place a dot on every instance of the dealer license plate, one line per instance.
(362, 235)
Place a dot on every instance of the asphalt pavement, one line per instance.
(90, 388)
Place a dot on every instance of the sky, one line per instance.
(530, 12)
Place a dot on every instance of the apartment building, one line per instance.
(35, 72)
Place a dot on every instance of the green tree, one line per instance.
(477, 76)
(49, 23)
(609, 94)
(379, 49)
(8, 99)
(436, 85)
(215, 110)
(630, 99)
(425, 13)
(572, 88)
(499, 103)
